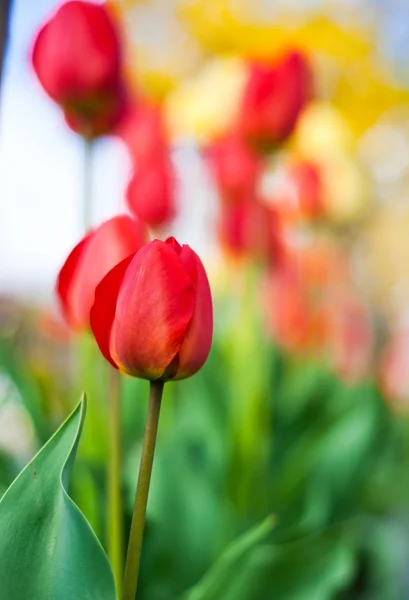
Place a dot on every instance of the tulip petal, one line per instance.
(65, 280)
(154, 308)
(106, 247)
(103, 310)
(198, 339)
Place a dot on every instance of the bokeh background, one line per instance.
(301, 413)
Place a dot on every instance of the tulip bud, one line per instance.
(90, 261)
(273, 99)
(77, 59)
(152, 316)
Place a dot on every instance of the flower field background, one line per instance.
(274, 139)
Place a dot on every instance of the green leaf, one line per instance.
(216, 583)
(48, 551)
(312, 568)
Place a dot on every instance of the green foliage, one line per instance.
(47, 549)
(313, 568)
(255, 433)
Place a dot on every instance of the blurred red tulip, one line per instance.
(273, 99)
(77, 58)
(143, 131)
(150, 194)
(153, 316)
(313, 308)
(394, 372)
(235, 167)
(293, 316)
(90, 261)
(321, 264)
(308, 189)
(249, 228)
(299, 193)
(350, 334)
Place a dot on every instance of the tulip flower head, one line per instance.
(97, 253)
(77, 58)
(273, 99)
(152, 317)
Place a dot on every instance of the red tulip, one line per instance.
(293, 318)
(250, 228)
(90, 261)
(77, 58)
(235, 167)
(144, 133)
(150, 193)
(273, 99)
(152, 316)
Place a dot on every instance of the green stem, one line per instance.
(142, 491)
(87, 186)
(115, 509)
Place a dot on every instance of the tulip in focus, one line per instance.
(274, 98)
(152, 317)
(99, 251)
(77, 58)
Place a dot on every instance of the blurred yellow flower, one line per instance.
(346, 190)
(206, 105)
(322, 131)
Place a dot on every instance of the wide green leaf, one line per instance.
(48, 551)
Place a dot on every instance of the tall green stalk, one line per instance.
(115, 508)
(142, 491)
